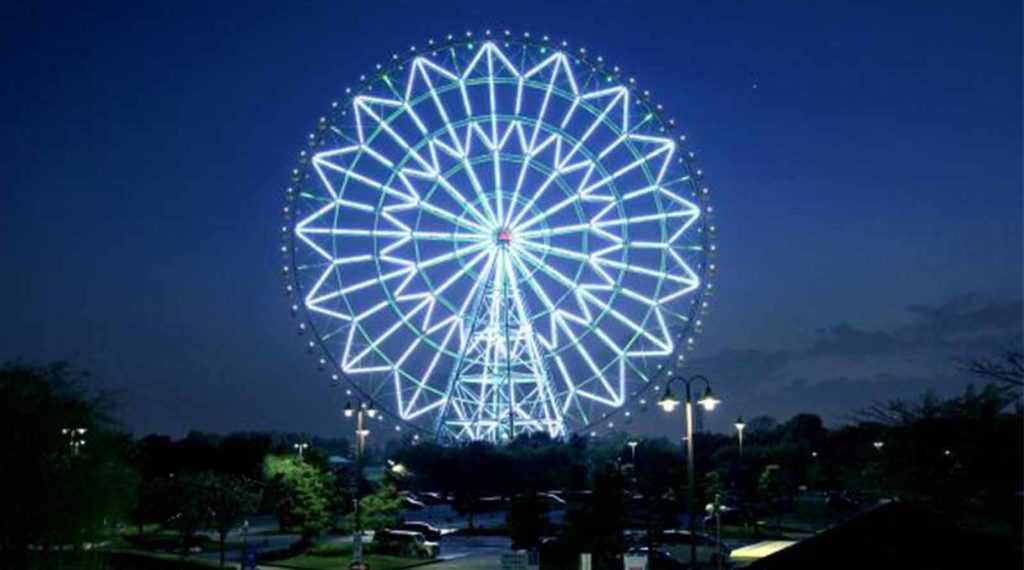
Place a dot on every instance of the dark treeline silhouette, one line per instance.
(70, 477)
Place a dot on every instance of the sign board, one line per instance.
(520, 560)
(634, 562)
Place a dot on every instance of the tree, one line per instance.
(804, 431)
(242, 455)
(771, 487)
(760, 425)
(57, 487)
(659, 475)
(473, 474)
(230, 499)
(527, 521)
(597, 526)
(154, 503)
(382, 508)
(713, 485)
(1008, 368)
(961, 455)
(299, 494)
(189, 494)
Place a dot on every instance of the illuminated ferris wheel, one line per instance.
(496, 235)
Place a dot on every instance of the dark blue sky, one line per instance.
(865, 162)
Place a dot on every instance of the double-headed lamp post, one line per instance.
(632, 452)
(76, 438)
(740, 424)
(360, 410)
(301, 448)
(669, 402)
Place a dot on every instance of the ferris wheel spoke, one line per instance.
(495, 149)
(551, 412)
(394, 234)
(481, 220)
(570, 285)
(478, 188)
(557, 231)
(554, 250)
(572, 199)
(443, 214)
(620, 98)
(575, 197)
(424, 66)
(665, 149)
(461, 272)
(585, 293)
(558, 62)
(452, 255)
(321, 161)
(362, 106)
(529, 150)
(561, 319)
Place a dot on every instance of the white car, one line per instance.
(406, 543)
(676, 543)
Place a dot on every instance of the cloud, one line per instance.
(846, 339)
(963, 324)
(844, 368)
(971, 320)
(748, 363)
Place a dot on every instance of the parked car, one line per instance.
(428, 530)
(405, 543)
(555, 553)
(491, 504)
(412, 504)
(551, 500)
(676, 543)
(431, 498)
(659, 559)
(730, 516)
(840, 502)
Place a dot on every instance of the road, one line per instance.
(464, 552)
(472, 552)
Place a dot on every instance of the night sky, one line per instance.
(865, 163)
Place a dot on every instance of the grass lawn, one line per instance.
(748, 533)
(185, 562)
(376, 562)
(133, 530)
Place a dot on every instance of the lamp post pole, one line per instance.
(740, 424)
(691, 490)
(357, 540)
(668, 403)
(361, 432)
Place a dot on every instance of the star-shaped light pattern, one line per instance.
(497, 237)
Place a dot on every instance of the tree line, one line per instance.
(71, 477)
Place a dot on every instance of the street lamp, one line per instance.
(359, 411)
(300, 447)
(396, 467)
(708, 401)
(76, 438)
(740, 424)
(632, 452)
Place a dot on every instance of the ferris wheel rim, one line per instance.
(698, 302)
